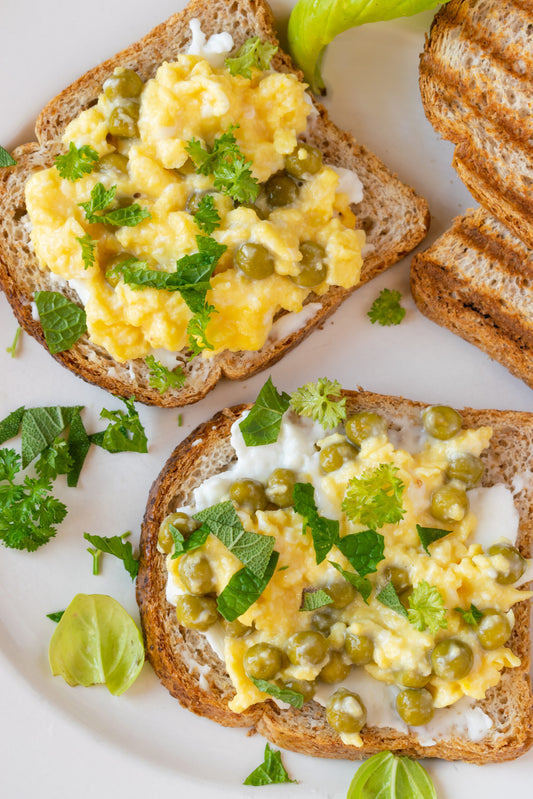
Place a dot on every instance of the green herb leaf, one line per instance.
(63, 321)
(263, 423)
(162, 378)
(125, 433)
(386, 308)
(76, 162)
(361, 584)
(196, 330)
(10, 426)
(388, 596)
(12, 350)
(55, 459)
(284, 694)
(324, 532)
(41, 426)
(207, 217)
(313, 24)
(115, 545)
(428, 535)
(321, 401)
(227, 164)
(78, 444)
(252, 54)
(313, 599)
(55, 616)
(364, 550)
(252, 549)
(270, 772)
(101, 198)
(375, 497)
(96, 209)
(5, 158)
(391, 777)
(88, 246)
(426, 608)
(181, 544)
(243, 589)
(472, 616)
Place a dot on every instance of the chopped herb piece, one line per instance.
(313, 599)
(364, 550)
(321, 401)
(428, 535)
(263, 423)
(207, 217)
(361, 584)
(78, 444)
(162, 378)
(252, 54)
(426, 608)
(472, 616)
(115, 545)
(324, 532)
(10, 426)
(231, 171)
(5, 158)
(63, 321)
(97, 209)
(196, 335)
(95, 553)
(12, 350)
(270, 772)
(125, 433)
(375, 497)
(293, 698)
(386, 308)
(388, 597)
(54, 460)
(76, 162)
(243, 589)
(181, 544)
(41, 426)
(55, 616)
(88, 247)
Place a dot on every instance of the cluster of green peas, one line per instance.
(451, 658)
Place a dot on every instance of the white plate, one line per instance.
(58, 741)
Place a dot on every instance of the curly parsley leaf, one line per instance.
(5, 158)
(324, 532)
(270, 772)
(243, 589)
(88, 247)
(322, 401)
(426, 608)
(63, 321)
(12, 350)
(181, 544)
(386, 308)
(196, 330)
(263, 423)
(28, 512)
(428, 535)
(55, 460)
(115, 545)
(364, 550)
(97, 209)
(471, 616)
(375, 498)
(252, 549)
(76, 162)
(230, 169)
(207, 217)
(293, 698)
(162, 378)
(253, 54)
(361, 584)
(388, 597)
(125, 433)
(314, 598)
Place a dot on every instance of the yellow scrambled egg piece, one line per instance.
(190, 99)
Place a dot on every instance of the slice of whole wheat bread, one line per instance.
(193, 673)
(394, 217)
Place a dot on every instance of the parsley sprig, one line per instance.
(253, 54)
(231, 171)
(76, 162)
(426, 608)
(125, 433)
(163, 378)
(115, 545)
(386, 308)
(322, 401)
(375, 498)
(207, 217)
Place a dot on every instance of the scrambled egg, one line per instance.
(458, 568)
(187, 100)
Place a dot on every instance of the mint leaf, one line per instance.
(428, 535)
(162, 378)
(41, 426)
(252, 549)
(361, 584)
(55, 616)
(243, 589)
(78, 444)
(252, 54)
(54, 460)
(125, 433)
(364, 550)
(270, 772)
(472, 616)
(76, 162)
(293, 698)
(388, 596)
(324, 532)
(181, 544)
(315, 598)
(97, 209)
(63, 321)
(100, 199)
(263, 423)
(10, 426)
(5, 158)
(115, 545)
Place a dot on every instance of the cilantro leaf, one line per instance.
(88, 246)
(471, 616)
(293, 698)
(388, 596)
(270, 772)
(253, 53)
(231, 171)
(55, 459)
(263, 423)
(56, 616)
(207, 217)
(312, 599)
(96, 209)
(28, 512)
(115, 545)
(428, 535)
(12, 350)
(324, 532)
(125, 433)
(361, 584)
(321, 401)
(364, 550)
(181, 544)
(10, 426)
(252, 549)
(386, 308)
(76, 162)
(243, 589)
(375, 497)
(426, 608)
(63, 321)
(162, 378)
(5, 158)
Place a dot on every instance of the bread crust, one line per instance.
(395, 217)
(178, 655)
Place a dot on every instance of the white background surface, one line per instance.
(57, 741)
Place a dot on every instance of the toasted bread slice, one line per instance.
(193, 673)
(476, 88)
(477, 280)
(395, 218)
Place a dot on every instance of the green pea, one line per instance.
(465, 467)
(235, 629)
(449, 503)
(307, 648)
(313, 267)
(304, 160)
(192, 204)
(515, 564)
(336, 455)
(494, 629)
(182, 522)
(195, 572)
(196, 612)
(452, 659)
(123, 120)
(341, 592)
(415, 706)
(346, 712)
(280, 488)
(441, 422)
(399, 578)
(255, 260)
(363, 425)
(359, 648)
(249, 495)
(335, 670)
(305, 687)
(323, 619)
(116, 162)
(263, 661)
(123, 82)
(411, 678)
(280, 190)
